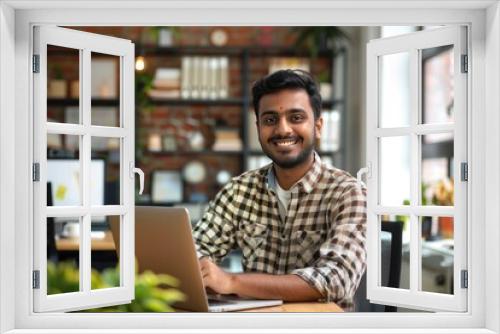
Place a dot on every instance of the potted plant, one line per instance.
(153, 292)
(57, 84)
(320, 38)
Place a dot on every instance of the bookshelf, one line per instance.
(205, 117)
(242, 73)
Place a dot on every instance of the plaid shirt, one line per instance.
(322, 238)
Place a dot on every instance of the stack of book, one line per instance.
(227, 140)
(166, 84)
(205, 77)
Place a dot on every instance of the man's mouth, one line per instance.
(286, 142)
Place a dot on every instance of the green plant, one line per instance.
(319, 38)
(153, 292)
(143, 84)
(154, 32)
(57, 72)
(62, 277)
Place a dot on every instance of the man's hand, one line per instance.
(215, 278)
(261, 286)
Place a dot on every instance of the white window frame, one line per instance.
(411, 44)
(16, 18)
(85, 44)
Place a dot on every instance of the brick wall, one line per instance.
(158, 119)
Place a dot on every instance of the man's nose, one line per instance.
(283, 127)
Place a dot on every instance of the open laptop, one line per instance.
(164, 244)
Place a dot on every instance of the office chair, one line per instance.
(391, 268)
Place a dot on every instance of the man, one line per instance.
(299, 223)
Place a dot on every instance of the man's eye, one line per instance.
(269, 120)
(297, 118)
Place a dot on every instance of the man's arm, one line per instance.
(342, 258)
(261, 286)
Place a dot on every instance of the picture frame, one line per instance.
(166, 186)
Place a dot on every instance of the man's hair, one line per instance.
(287, 79)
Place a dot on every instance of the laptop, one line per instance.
(164, 244)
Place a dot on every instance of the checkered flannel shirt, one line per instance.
(322, 239)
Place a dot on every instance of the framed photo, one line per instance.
(166, 186)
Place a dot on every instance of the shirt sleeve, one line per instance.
(337, 272)
(214, 233)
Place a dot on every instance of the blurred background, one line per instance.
(195, 125)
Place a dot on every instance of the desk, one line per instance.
(299, 307)
(98, 244)
(103, 254)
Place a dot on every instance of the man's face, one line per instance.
(286, 126)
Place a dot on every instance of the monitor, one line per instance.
(64, 176)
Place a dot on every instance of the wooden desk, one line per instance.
(299, 307)
(98, 244)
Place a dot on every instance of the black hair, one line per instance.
(287, 79)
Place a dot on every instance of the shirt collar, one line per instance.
(307, 182)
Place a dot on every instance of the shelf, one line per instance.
(167, 102)
(188, 153)
(101, 102)
(184, 102)
(256, 51)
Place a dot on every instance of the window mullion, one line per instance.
(414, 171)
(85, 159)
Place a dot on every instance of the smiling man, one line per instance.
(300, 224)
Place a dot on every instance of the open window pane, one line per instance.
(105, 171)
(437, 254)
(63, 255)
(63, 84)
(104, 257)
(395, 171)
(395, 251)
(394, 90)
(79, 164)
(437, 84)
(418, 164)
(105, 90)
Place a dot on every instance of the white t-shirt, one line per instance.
(284, 197)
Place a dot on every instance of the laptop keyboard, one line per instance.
(217, 302)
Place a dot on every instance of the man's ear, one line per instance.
(257, 122)
(318, 125)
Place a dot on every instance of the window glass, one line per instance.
(437, 260)
(394, 171)
(394, 90)
(105, 90)
(63, 254)
(437, 85)
(105, 270)
(63, 84)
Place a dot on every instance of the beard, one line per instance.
(290, 162)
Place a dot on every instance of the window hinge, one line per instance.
(464, 279)
(36, 63)
(36, 171)
(36, 279)
(465, 66)
(464, 169)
